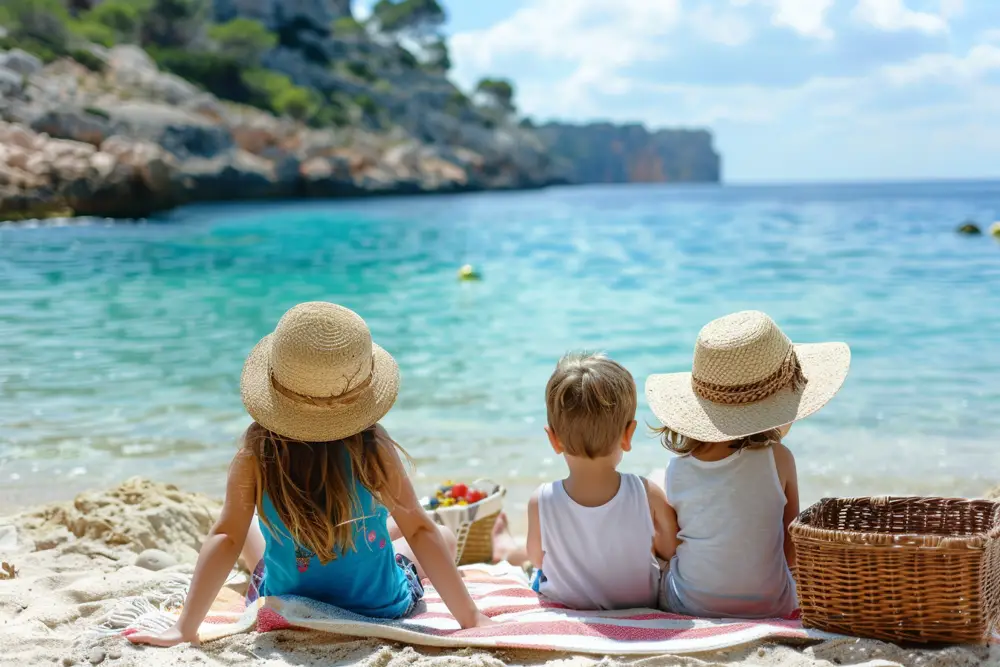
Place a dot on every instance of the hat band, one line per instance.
(788, 374)
(346, 398)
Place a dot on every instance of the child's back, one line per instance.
(734, 488)
(730, 560)
(364, 579)
(593, 534)
(598, 557)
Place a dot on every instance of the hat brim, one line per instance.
(675, 403)
(310, 423)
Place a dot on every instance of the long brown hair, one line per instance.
(683, 445)
(311, 484)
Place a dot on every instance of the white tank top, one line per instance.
(598, 557)
(731, 560)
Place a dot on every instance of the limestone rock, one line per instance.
(21, 62)
(969, 228)
(11, 82)
(179, 132)
(75, 124)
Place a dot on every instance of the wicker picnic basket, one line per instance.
(473, 524)
(900, 569)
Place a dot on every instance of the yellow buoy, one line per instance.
(468, 272)
(995, 229)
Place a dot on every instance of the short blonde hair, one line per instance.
(590, 400)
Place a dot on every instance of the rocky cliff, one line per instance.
(122, 108)
(606, 153)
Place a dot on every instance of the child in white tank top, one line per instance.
(593, 535)
(732, 490)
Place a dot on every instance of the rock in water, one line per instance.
(155, 560)
(970, 228)
(995, 230)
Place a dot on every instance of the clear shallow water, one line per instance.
(121, 345)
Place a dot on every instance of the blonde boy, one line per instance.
(593, 535)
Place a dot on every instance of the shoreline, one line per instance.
(76, 559)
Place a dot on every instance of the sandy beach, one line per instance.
(75, 560)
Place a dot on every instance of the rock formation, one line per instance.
(605, 153)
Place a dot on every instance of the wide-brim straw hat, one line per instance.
(319, 377)
(747, 378)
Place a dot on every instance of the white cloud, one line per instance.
(894, 16)
(946, 67)
(721, 27)
(952, 8)
(597, 39)
(805, 17)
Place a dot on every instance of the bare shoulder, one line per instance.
(783, 455)
(533, 499)
(784, 461)
(244, 462)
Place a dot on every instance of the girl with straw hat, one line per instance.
(733, 488)
(323, 476)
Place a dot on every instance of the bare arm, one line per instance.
(788, 476)
(665, 527)
(426, 541)
(217, 557)
(534, 542)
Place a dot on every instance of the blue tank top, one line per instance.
(365, 580)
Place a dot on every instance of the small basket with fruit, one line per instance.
(470, 511)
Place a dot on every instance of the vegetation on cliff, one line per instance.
(239, 98)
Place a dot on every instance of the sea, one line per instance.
(121, 343)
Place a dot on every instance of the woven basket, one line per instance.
(900, 569)
(473, 524)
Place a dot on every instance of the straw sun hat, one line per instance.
(747, 378)
(319, 376)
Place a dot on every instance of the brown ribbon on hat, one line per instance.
(789, 374)
(346, 398)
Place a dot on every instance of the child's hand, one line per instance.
(166, 638)
(483, 621)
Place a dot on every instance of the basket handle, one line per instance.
(495, 486)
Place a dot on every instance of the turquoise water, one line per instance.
(121, 344)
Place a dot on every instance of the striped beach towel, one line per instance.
(503, 593)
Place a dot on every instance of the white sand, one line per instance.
(75, 560)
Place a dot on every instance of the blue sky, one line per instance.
(793, 89)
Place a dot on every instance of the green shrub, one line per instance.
(332, 113)
(416, 18)
(37, 26)
(499, 92)
(276, 92)
(213, 71)
(174, 23)
(457, 103)
(243, 39)
(407, 59)
(97, 33)
(361, 70)
(123, 17)
(347, 26)
(366, 104)
(87, 58)
(296, 102)
(438, 58)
